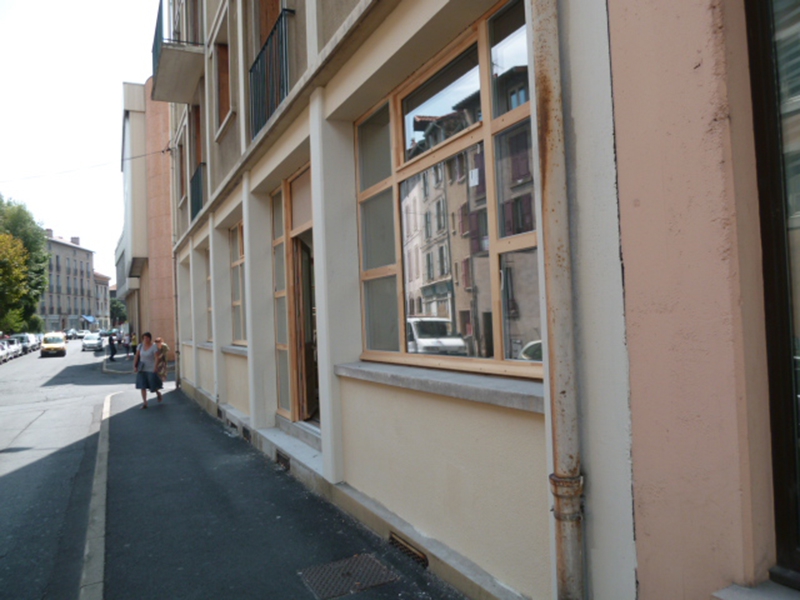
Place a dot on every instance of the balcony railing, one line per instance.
(269, 75)
(197, 189)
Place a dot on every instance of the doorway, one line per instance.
(306, 328)
(295, 300)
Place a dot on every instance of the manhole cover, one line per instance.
(348, 576)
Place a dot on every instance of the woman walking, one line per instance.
(146, 363)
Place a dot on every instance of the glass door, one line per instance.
(774, 44)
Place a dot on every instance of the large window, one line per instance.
(446, 209)
(237, 284)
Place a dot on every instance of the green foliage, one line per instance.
(13, 275)
(12, 322)
(119, 312)
(17, 220)
(35, 324)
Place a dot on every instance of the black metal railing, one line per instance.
(269, 75)
(159, 39)
(197, 189)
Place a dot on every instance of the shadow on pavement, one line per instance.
(86, 374)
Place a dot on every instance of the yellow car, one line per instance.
(54, 343)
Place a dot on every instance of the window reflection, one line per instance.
(514, 181)
(446, 258)
(519, 284)
(447, 103)
(509, 58)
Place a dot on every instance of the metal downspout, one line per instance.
(566, 481)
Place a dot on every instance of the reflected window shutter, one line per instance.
(526, 203)
(474, 234)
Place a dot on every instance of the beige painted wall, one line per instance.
(470, 475)
(205, 370)
(694, 314)
(238, 392)
(187, 363)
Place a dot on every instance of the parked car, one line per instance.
(71, 334)
(82, 333)
(27, 341)
(3, 351)
(14, 347)
(54, 342)
(531, 351)
(433, 335)
(92, 341)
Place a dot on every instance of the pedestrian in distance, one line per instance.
(126, 343)
(146, 362)
(163, 351)
(112, 347)
(133, 340)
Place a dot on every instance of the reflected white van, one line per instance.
(433, 335)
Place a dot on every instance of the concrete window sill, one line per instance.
(507, 392)
(769, 590)
(237, 350)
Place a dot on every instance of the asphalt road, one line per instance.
(50, 410)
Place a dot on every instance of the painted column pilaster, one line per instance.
(337, 282)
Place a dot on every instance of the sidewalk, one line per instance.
(193, 511)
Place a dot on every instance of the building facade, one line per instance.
(511, 282)
(69, 301)
(144, 253)
(102, 306)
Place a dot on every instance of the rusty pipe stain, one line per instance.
(566, 481)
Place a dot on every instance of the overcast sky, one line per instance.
(62, 65)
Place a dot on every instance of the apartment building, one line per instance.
(69, 301)
(102, 306)
(511, 282)
(144, 252)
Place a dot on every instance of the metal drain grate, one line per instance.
(413, 553)
(348, 576)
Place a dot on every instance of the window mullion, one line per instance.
(484, 56)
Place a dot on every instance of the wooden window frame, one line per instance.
(238, 263)
(283, 193)
(485, 131)
(209, 306)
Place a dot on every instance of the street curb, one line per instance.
(94, 554)
(108, 370)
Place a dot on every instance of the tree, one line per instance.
(13, 276)
(119, 313)
(17, 220)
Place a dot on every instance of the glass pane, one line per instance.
(283, 380)
(234, 243)
(280, 268)
(235, 294)
(380, 304)
(519, 285)
(374, 149)
(446, 260)
(301, 199)
(281, 323)
(787, 49)
(377, 231)
(277, 216)
(514, 175)
(237, 322)
(447, 103)
(509, 41)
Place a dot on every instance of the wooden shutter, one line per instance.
(223, 82)
(268, 13)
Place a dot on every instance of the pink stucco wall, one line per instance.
(693, 295)
(161, 295)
